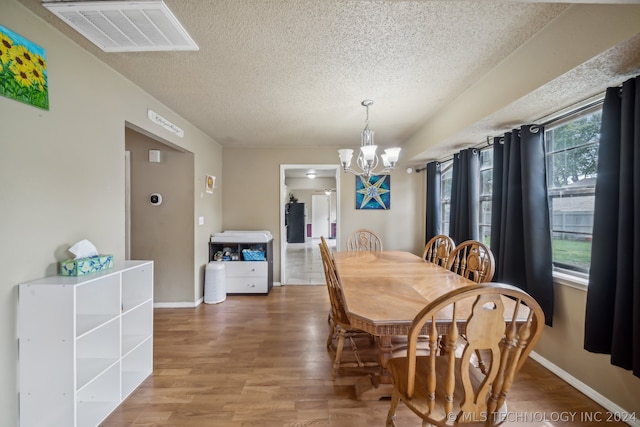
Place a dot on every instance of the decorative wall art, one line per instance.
(210, 183)
(373, 193)
(23, 70)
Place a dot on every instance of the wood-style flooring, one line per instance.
(262, 361)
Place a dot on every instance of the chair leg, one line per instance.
(336, 361)
(354, 348)
(332, 333)
(391, 416)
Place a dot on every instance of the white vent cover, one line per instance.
(125, 26)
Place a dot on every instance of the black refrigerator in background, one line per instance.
(294, 220)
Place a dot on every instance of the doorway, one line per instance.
(300, 263)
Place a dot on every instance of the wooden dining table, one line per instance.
(384, 291)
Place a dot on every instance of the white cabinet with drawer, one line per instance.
(242, 275)
(246, 277)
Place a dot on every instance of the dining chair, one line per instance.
(500, 320)
(325, 251)
(473, 260)
(364, 240)
(341, 328)
(438, 249)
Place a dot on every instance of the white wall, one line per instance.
(62, 174)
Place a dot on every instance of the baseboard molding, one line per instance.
(613, 408)
(277, 284)
(178, 304)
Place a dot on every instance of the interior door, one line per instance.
(320, 216)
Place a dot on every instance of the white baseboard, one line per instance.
(178, 304)
(277, 284)
(613, 409)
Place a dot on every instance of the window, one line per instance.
(486, 192)
(446, 176)
(572, 153)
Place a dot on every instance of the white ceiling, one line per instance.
(443, 74)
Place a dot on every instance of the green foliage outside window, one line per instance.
(575, 148)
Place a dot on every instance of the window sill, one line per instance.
(570, 280)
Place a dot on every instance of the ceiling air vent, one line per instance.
(125, 26)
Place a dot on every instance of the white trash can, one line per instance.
(215, 289)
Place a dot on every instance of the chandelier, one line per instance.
(367, 159)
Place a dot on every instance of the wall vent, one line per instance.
(125, 26)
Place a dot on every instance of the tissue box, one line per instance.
(82, 266)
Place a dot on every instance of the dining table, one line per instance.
(383, 292)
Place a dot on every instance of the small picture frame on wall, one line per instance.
(210, 183)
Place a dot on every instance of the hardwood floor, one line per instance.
(262, 361)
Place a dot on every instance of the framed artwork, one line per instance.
(373, 193)
(23, 70)
(210, 183)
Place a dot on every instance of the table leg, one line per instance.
(377, 386)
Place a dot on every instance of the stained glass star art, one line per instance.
(373, 193)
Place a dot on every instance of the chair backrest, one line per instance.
(473, 260)
(438, 249)
(364, 240)
(500, 322)
(336, 297)
(325, 253)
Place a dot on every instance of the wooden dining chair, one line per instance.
(438, 249)
(473, 260)
(364, 240)
(500, 320)
(326, 252)
(341, 329)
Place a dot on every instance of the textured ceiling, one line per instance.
(293, 72)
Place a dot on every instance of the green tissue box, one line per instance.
(82, 266)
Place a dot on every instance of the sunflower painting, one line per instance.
(23, 70)
(374, 192)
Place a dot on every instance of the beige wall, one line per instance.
(563, 345)
(62, 174)
(163, 233)
(251, 200)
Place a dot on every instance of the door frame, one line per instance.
(284, 198)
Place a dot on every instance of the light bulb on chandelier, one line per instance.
(367, 159)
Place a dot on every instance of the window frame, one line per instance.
(446, 167)
(485, 197)
(568, 191)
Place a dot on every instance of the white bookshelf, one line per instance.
(86, 343)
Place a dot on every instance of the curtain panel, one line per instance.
(465, 196)
(612, 320)
(434, 195)
(520, 240)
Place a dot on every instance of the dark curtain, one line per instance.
(434, 182)
(465, 196)
(520, 237)
(612, 323)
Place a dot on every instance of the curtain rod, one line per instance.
(571, 112)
